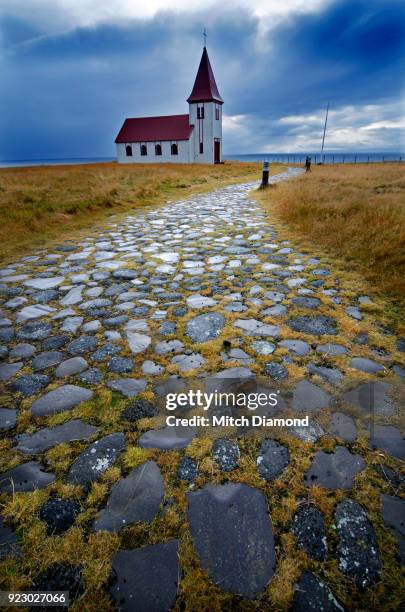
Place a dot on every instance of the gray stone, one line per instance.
(357, 551)
(372, 397)
(400, 344)
(316, 325)
(81, 345)
(133, 499)
(8, 370)
(308, 397)
(308, 527)
(312, 433)
(331, 375)
(331, 349)
(393, 513)
(354, 312)
(22, 351)
(343, 426)
(168, 328)
(130, 387)
(274, 311)
(335, 470)
(96, 459)
(253, 327)
(388, 439)
(6, 334)
(45, 283)
(138, 342)
(58, 400)
(146, 578)
(299, 347)
(42, 440)
(168, 346)
(167, 438)
(140, 409)
(205, 327)
(151, 368)
(272, 460)
(25, 477)
(8, 418)
(313, 595)
(75, 365)
(232, 534)
(46, 360)
(226, 453)
(30, 384)
(188, 362)
(262, 347)
(33, 312)
(366, 365)
(126, 274)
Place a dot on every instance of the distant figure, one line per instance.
(308, 164)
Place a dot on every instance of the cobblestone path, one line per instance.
(100, 498)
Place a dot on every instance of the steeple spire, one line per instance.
(205, 88)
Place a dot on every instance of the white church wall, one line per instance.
(183, 156)
(209, 128)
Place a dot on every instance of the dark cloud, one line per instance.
(66, 94)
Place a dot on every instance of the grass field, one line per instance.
(355, 213)
(38, 204)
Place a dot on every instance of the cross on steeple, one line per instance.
(205, 37)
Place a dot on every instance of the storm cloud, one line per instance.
(69, 78)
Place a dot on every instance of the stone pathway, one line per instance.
(94, 333)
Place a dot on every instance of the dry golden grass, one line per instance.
(355, 212)
(38, 204)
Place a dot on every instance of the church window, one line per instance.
(201, 147)
(217, 112)
(144, 150)
(158, 149)
(174, 149)
(128, 150)
(200, 112)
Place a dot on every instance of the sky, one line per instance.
(72, 70)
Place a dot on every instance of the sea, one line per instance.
(287, 158)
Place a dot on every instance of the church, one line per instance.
(194, 138)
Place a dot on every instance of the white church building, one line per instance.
(195, 138)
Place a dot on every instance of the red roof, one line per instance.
(151, 129)
(205, 88)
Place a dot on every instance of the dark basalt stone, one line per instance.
(226, 453)
(276, 371)
(133, 499)
(393, 513)
(91, 377)
(96, 459)
(146, 579)
(38, 442)
(35, 330)
(30, 384)
(188, 469)
(82, 344)
(313, 595)
(309, 529)
(388, 439)
(334, 470)
(46, 360)
(8, 418)
(8, 542)
(306, 302)
(232, 534)
(59, 514)
(61, 577)
(140, 409)
(357, 552)
(121, 365)
(55, 342)
(25, 477)
(272, 460)
(106, 351)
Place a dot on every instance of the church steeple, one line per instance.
(205, 88)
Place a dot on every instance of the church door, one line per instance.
(217, 151)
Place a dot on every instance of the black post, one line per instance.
(265, 177)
